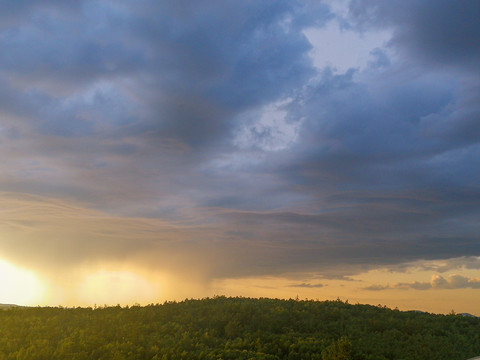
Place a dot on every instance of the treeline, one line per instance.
(236, 328)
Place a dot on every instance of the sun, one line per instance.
(19, 286)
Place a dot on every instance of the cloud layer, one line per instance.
(438, 282)
(203, 137)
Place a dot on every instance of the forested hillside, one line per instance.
(236, 328)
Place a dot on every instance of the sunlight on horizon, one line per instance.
(113, 287)
(19, 286)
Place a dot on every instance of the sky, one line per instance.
(158, 150)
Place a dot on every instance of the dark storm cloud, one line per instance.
(191, 66)
(50, 47)
(391, 160)
(439, 32)
(166, 113)
(214, 60)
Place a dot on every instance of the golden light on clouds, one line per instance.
(20, 286)
(56, 252)
(412, 288)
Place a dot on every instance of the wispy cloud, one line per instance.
(376, 287)
(307, 285)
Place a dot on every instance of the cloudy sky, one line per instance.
(157, 150)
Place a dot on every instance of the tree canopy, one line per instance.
(236, 328)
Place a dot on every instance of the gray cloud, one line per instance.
(466, 262)
(307, 285)
(452, 282)
(448, 37)
(376, 287)
(132, 114)
(206, 76)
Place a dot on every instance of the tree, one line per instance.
(339, 350)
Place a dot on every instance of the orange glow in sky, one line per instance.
(19, 286)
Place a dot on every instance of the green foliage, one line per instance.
(338, 350)
(236, 328)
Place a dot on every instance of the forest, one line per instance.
(236, 328)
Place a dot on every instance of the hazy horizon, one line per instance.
(158, 151)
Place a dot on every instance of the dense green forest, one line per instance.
(236, 328)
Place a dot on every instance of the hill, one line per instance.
(236, 328)
(7, 306)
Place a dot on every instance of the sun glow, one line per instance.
(113, 287)
(19, 286)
